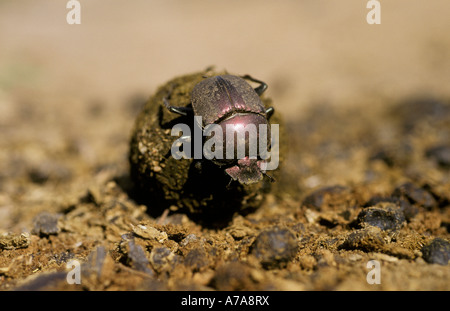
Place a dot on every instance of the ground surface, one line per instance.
(367, 175)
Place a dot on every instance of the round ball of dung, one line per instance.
(162, 181)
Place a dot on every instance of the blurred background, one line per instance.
(307, 51)
(69, 93)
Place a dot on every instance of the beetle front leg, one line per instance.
(184, 111)
(261, 88)
(269, 112)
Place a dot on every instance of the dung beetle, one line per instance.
(231, 102)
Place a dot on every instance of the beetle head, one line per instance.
(247, 171)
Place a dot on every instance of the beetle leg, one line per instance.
(270, 177)
(184, 140)
(184, 111)
(229, 184)
(269, 112)
(261, 88)
(198, 165)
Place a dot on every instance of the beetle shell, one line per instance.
(219, 96)
(229, 100)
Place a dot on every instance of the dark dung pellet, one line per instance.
(385, 216)
(409, 210)
(275, 247)
(328, 197)
(415, 195)
(438, 251)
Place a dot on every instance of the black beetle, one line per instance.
(230, 100)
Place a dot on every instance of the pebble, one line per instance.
(275, 247)
(438, 251)
(188, 239)
(161, 257)
(354, 257)
(151, 233)
(135, 255)
(95, 262)
(385, 257)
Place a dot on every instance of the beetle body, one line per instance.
(230, 102)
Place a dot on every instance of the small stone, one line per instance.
(354, 257)
(385, 257)
(45, 224)
(275, 247)
(150, 233)
(440, 154)
(196, 259)
(142, 148)
(161, 257)
(385, 216)
(438, 251)
(134, 255)
(311, 216)
(94, 265)
(188, 239)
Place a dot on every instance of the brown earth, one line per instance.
(366, 176)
